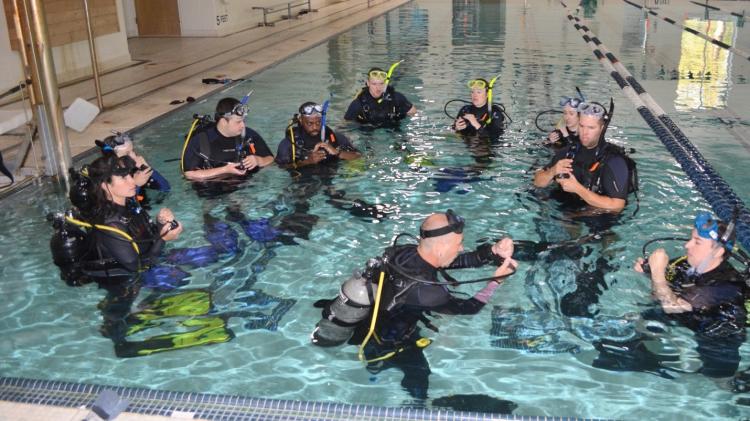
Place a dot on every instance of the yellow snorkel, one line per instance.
(388, 77)
(489, 97)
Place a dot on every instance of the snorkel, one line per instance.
(388, 79)
(607, 118)
(323, 116)
(489, 97)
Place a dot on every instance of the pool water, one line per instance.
(525, 346)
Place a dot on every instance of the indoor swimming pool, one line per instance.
(526, 352)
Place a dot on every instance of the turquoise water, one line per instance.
(51, 331)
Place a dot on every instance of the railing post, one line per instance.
(92, 52)
(289, 10)
(265, 22)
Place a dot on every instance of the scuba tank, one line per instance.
(344, 313)
(67, 246)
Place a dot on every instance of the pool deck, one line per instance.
(168, 69)
(28, 412)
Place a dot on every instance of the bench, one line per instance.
(280, 7)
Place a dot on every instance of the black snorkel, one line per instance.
(607, 118)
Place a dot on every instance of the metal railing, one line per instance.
(280, 7)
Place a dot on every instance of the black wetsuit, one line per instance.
(601, 169)
(111, 257)
(718, 317)
(406, 301)
(563, 140)
(304, 144)
(492, 126)
(210, 149)
(390, 108)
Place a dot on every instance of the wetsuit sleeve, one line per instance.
(469, 129)
(158, 182)
(614, 180)
(354, 110)
(284, 152)
(483, 255)
(558, 156)
(402, 104)
(192, 159)
(460, 306)
(260, 146)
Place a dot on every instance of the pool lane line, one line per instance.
(741, 16)
(693, 31)
(707, 181)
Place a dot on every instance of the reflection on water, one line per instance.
(704, 69)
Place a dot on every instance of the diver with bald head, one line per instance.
(403, 288)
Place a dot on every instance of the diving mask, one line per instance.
(708, 228)
(311, 109)
(478, 84)
(455, 225)
(116, 140)
(377, 74)
(572, 101)
(592, 109)
(240, 110)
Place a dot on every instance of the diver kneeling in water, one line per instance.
(401, 289)
(117, 237)
(481, 117)
(701, 291)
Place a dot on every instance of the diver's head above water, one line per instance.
(441, 238)
(479, 89)
(709, 242)
(112, 179)
(376, 82)
(593, 120)
(230, 117)
(310, 118)
(570, 111)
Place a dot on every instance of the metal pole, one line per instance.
(21, 38)
(92, 50)
(289, 10)
(45, 69)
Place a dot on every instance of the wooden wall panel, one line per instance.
(65, 20)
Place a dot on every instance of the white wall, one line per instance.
(11, 72)
(131, 26)
(198, 18)
(71, 60)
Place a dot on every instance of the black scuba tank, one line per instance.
(343, 314)
(67, 246)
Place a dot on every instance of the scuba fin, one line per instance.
(633, 355)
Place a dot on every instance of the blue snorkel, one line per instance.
(323, 115)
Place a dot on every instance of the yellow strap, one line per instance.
(361, 353)
(294, 151)
(105, 228)
(671, 272)
(184, 146)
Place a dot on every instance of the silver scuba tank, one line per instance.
(342, 315)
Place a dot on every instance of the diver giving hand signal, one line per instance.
(504, 249)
